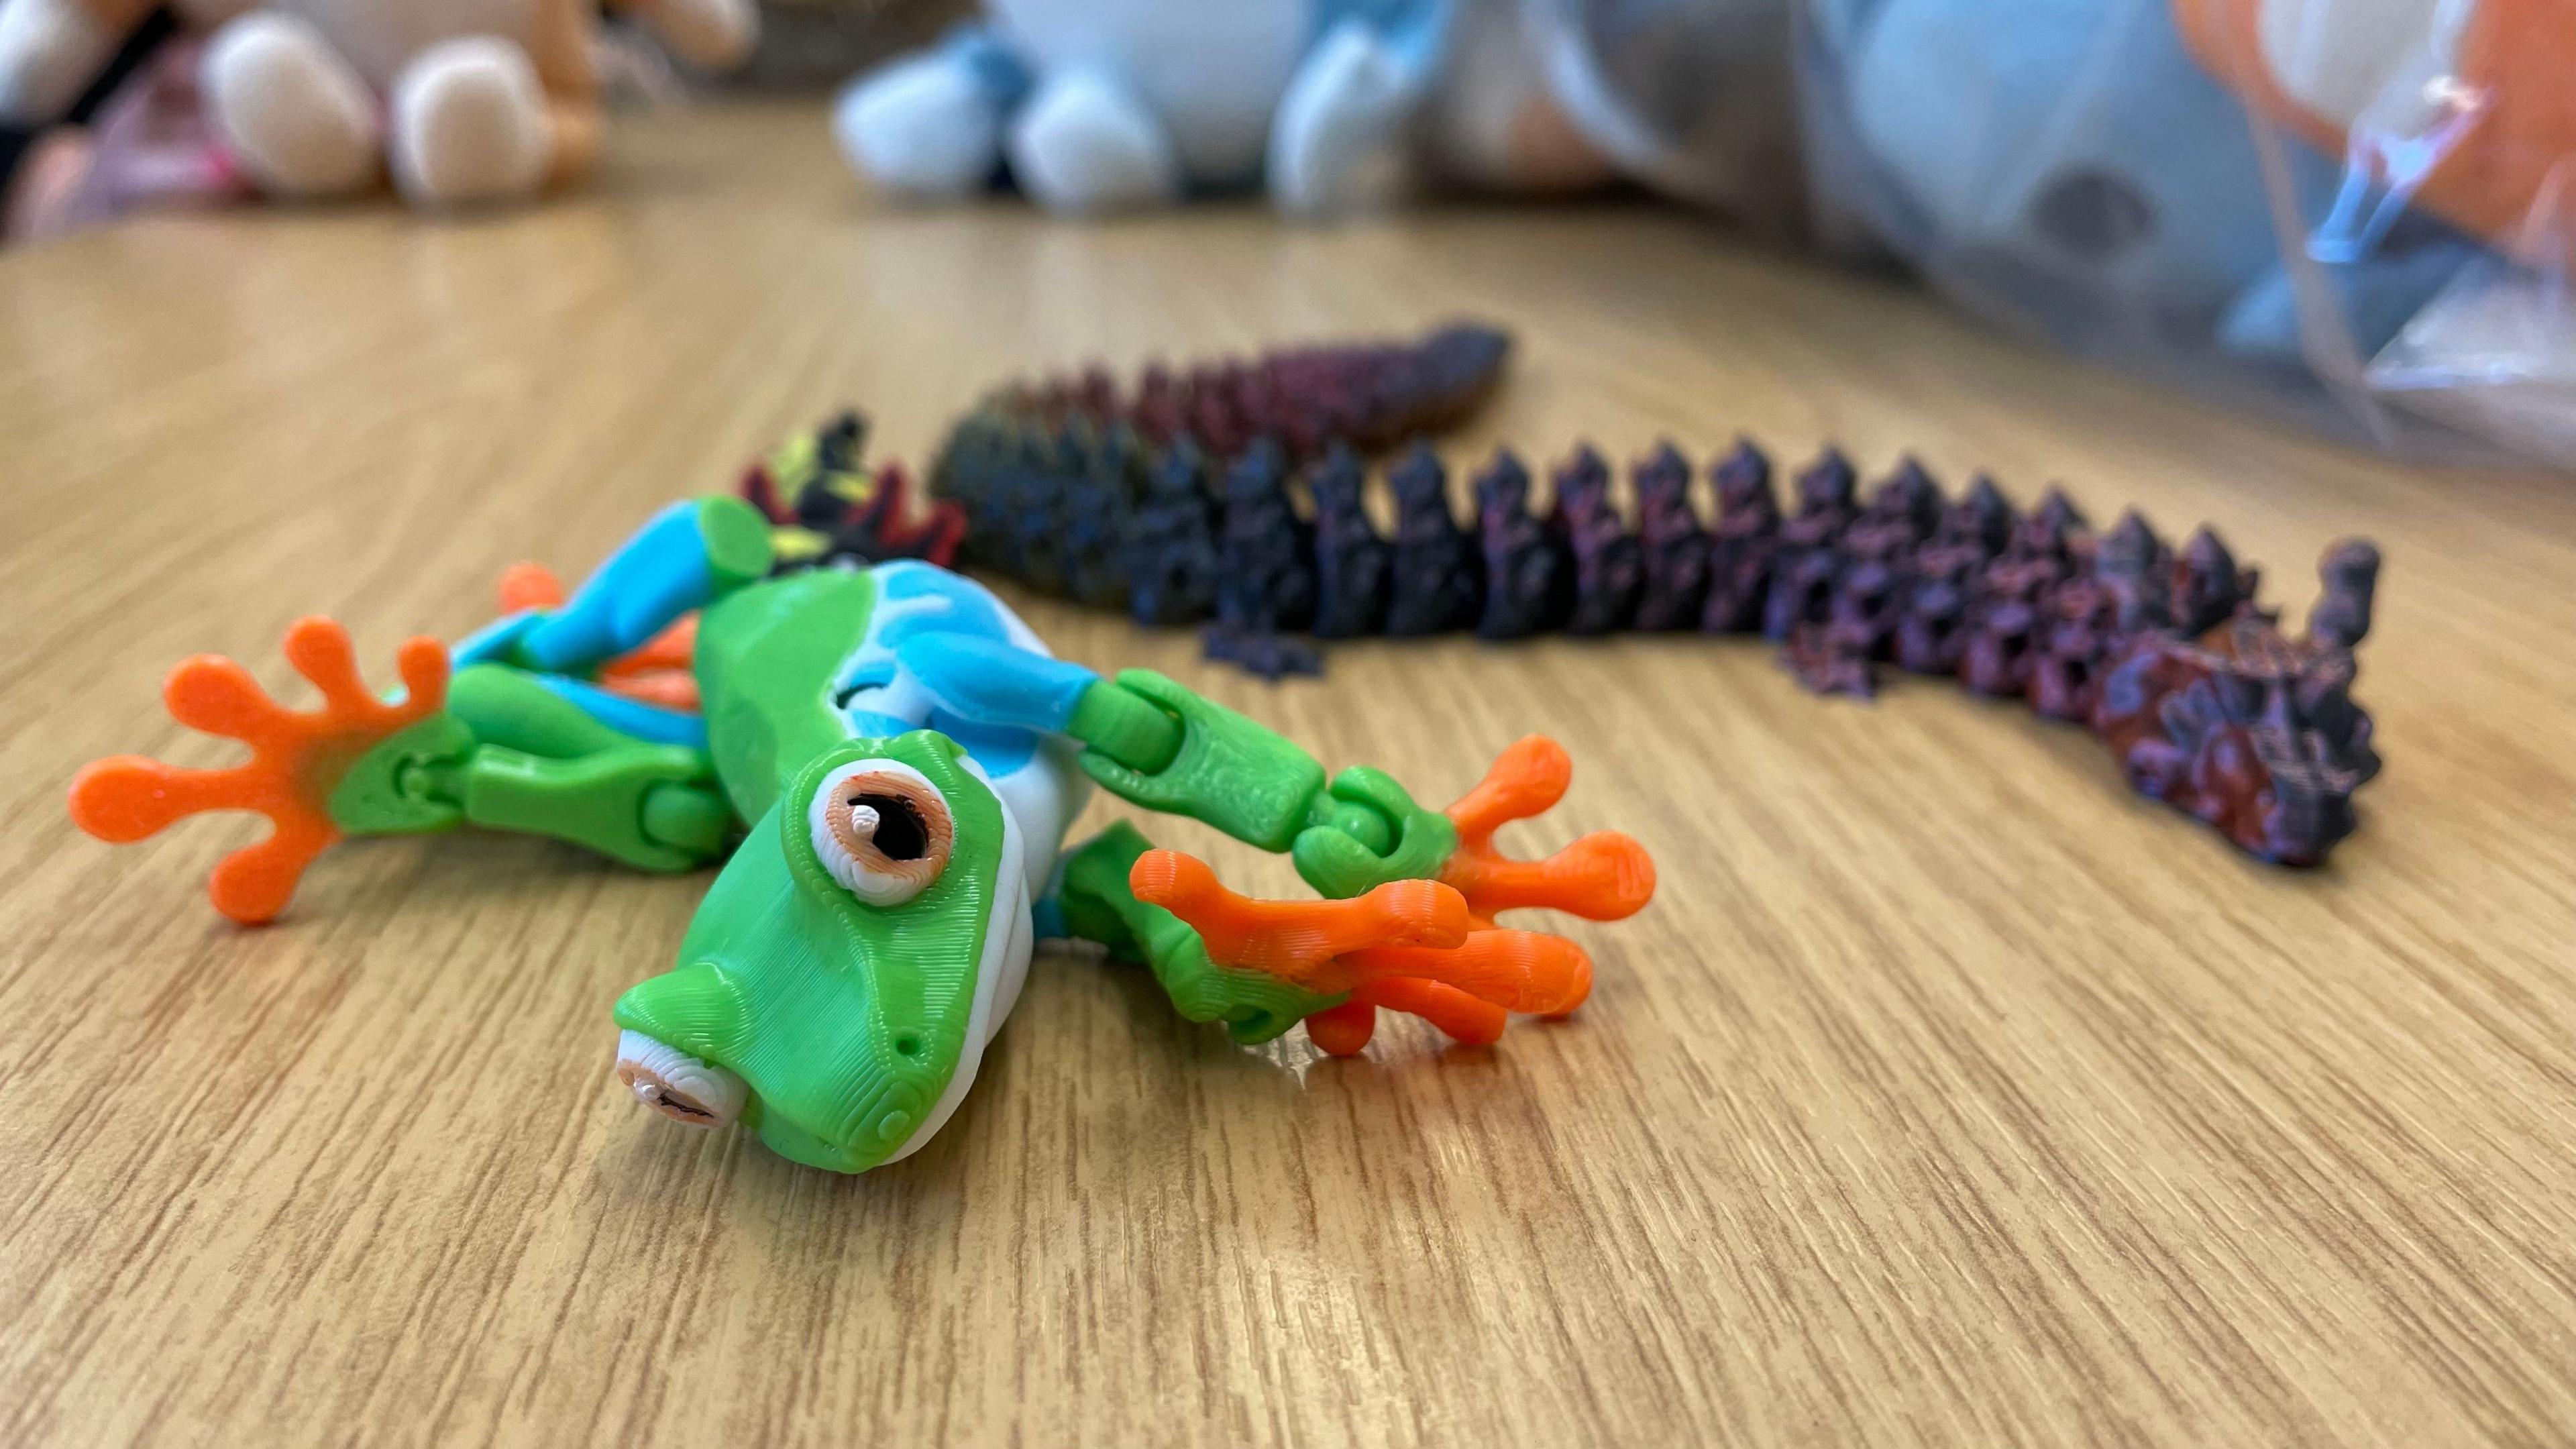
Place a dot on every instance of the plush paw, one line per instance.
(50, 50)
(1338, 145)
(921, 127)
(288, 107)
(469, 125)
(1087, 145)
(708, 34)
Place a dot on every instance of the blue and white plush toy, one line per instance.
(1330, 104)
(1106, 105)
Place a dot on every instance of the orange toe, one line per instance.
(1344, 1030)
(1603, 877)
(1459, 1016)
(1298, 941)
(1514, 970)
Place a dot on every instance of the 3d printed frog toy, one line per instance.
(892, 759)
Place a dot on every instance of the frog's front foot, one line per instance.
(678, 1085)
(354, 764)
(1428, 948)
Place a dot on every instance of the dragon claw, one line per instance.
(297, 759)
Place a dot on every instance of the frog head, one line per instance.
(841, 979)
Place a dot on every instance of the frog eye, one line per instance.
(882, 829)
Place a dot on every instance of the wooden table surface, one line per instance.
(1947, 1094)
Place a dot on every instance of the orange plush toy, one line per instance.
(2466, 109)
(464, 101)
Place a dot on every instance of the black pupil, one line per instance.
(901, 832)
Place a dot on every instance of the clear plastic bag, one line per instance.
(1692, 97)
(2364, 210)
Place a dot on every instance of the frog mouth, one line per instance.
(690, 1042)
(677, 1085)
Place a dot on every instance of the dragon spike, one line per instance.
(296, 759)
(1603, 877)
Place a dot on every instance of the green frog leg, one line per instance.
(1093, 902)
(542, 763)
(1161, 746)
(553, 754)
(492, 746)
(1154, 743)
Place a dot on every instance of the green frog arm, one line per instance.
(1154, 743)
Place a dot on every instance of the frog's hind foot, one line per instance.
(1467, 978)
(299, 761)
(1409, 945)
(661, 672)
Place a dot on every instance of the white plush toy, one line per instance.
(465, 100)
(1103, 105)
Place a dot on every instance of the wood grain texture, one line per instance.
(1947, 1094)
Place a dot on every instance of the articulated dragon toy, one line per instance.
(890, 759)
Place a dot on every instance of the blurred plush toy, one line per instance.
(464, 102)
(1101, 105)
(143, 144)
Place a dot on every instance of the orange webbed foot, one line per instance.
(297, 758)
(1466, 991)
(1302, 942)
(1409, 945)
